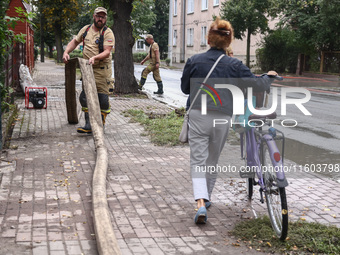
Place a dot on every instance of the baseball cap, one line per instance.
(100, 9)
(149, 36)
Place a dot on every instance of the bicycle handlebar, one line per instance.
(276, 77)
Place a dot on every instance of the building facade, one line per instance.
(189, 22)
(140, 46)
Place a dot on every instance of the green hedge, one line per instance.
(74, 54)
(280, 51)
(139, 56)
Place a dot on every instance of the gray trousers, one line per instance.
(206, 143)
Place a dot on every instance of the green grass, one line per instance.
(9, 118)
(130, 95)
(233, 137)
(162, 129)
(165, 129)
(303, 237)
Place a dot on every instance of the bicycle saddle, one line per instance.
(271, 116)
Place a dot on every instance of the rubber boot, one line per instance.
(141, 82)
(87, 128)
(104, 114)
(160, 88)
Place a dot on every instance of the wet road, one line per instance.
(315, 139)
(172, 86)
(322, 128)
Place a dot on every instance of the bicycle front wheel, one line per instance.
(250, 181)
(275, 197)
(250, 186)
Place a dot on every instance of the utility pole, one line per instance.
(170, 31)
(182, 50)
(42, 43)
(0, 128)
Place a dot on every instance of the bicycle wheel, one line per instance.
(250, 186)
(250, 181)
(275, 197)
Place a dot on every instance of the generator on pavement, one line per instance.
(37, 96)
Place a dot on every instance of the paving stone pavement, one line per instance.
(45, 192)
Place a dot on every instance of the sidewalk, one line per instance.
(45, 192)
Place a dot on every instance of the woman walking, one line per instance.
(206, 139)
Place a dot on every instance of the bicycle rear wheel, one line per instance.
(275, 197)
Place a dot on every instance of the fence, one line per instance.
(325, 62)
(11, 73)
(330, 62)
(14, 60)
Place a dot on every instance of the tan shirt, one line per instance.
(91, 47)
(154, 47)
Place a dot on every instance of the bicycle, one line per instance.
(264, 167)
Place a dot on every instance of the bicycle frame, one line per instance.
(264, 158)
(273, 150)
(255, 146)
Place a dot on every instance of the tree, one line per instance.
(5, 43)
(246, 16)
(143, 17)
(59, 14)
(284, 59)
(84, 18)
(125, 81)
(316, 22)
(161, 27)
(43, 36)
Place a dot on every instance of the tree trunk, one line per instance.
(50, 51)
(42, 43)
(58, 41)
(125, 81)
(248, 48)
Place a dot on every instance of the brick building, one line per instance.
(22, 53)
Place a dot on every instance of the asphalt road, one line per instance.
(314, 139)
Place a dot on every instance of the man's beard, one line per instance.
(99, 25)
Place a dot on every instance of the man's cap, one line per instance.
(148, 36)
(100, 9)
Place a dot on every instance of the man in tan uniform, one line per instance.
(153, 65)
(98, 41)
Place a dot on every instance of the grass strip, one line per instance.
(165, 129)
(303, 237)
(162, 129)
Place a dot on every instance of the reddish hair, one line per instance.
(220, 33)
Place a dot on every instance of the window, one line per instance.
(204, 36)
(175, 7)
(216, 2)
(140, 45)
(204, 5)
(174, 39)
(191, 6)
(190, 37)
